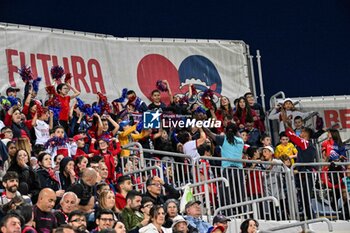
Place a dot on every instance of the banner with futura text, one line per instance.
(108, 64)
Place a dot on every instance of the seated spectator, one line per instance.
(193, 216)
(154, 188)
(105, 219)
(27, 214)
(171, 207)
(29, 183)
(180, 225)
(84, 189)
(65, 229)
(221, 220)
(120, 227)
(266, 140)
(157, 220)
(10, 182)
(67, 174)
(77, 220)
(333, 145)
(124, 186)
(11, 223)
(80, 164)
(131, 215)
(217, 229)
(68, 203)
(47, 176)
(45, 220)
(253, 133)
(103, 175)
(106, 201)
(145, 208)
(249, 226)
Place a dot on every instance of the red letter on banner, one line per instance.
(96, 78)
(79, 76)
(345, 118)
(11, 68)
(44, 59)
(331, 117)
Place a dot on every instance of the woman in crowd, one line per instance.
(157, 219)
(171, 207)
(46, 174)
(249, 226)
(29, 183)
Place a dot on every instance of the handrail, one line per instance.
(164, 153)
(297, 224)
(317, 164)
(147, 169)
(269, 198)
(140, 149)
(273, 97)
(227, 184)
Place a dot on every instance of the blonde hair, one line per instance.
(102, 200)
(24, 144)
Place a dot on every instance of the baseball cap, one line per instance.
(269, 148)
(177, 220)
(191, 203)
(288, 99)
(78, 137)
(220, 218)
(12, 89)
(212, 229)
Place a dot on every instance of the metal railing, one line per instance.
(301, 194)
(303, 224)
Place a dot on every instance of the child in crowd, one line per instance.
(286, 148)
(298, 124)
(59, 144)
(266, 140)
(272, 181)
(291, 112)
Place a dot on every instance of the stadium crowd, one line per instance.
(61, 158)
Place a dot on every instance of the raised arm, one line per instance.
(210, 134)
(115, 124)
(76, 92)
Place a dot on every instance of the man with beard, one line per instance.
(77, 220)
(10, 183)
(131, 216)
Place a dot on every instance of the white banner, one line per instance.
(109, 64)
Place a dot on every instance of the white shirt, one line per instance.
(42, 132)
(190, 148)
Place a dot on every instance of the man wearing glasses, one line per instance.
(105, 219)
(77, 220)
(154, 190)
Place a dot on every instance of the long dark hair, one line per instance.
(225, 111)
(336, 136)
(231, 132)
(239, 110)
(245, 225)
